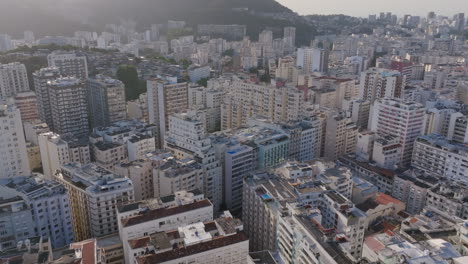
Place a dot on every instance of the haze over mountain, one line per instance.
(63, 17)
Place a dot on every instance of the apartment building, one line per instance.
(13, 155)
(95, 193)
(106, 101)
(13, 79)
(57, 150)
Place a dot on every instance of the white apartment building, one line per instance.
(440, 158)
(381, 83)
(13, 156)
(165, 97)
(50, 206)
(245, 99)
(69, 64)
(341, 136)
(172, 175)
(411, 191)
(144, 219)
(401, 119)
(13, 79)
(312, 59)
(139, 145)
(95, 193)
(219, 241)
(140, 172)
(58, 150)
(458, 128)
(239, 160)
(108, 154)
(300, 240)
(187, 138)
(387, 152)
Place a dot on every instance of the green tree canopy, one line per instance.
(133, 86)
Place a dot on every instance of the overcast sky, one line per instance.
(363, 8)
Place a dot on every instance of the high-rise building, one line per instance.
(57, 150)
(29, 37)
(341, 136)
(289, 37)
(13, 79)
(95, 193)
(165, 97)
(266, 38)
(106, 101)
(69, 64)
(5, 43)
(27, 104)
(50, 206)
(140, 172)
(381, 83)
(41, 78)
(312, 59)
(13, 155)
(17, 220)
(458, 128)
(187, 138)
(401, 119)
(459, 22)
(68, 106)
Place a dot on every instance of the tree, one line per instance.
(203, 82)
(133, 86)
(229, 52)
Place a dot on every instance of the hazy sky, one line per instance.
(365, 7)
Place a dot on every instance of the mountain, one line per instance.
(62, 17)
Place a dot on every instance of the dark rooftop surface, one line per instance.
(217, 242)
(164, 212)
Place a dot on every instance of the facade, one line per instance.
(312, 59)
(341, 136)
(172, 175)
(108, 154)
(68, 106)
(13, 79)
(57, 150)
(239, 161)
(106, 101)
(165, 97)
(246, 99)
(69, 64)
(50, 206)
(13, 154)
(440, 158)
(140, 172)
(95, 193)
(27, 104)
(16, 217)
(139, 145)
(401, 119)
(187, 139)
(380, 83)
(387, 152)
(458, 128)
(41, 78)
